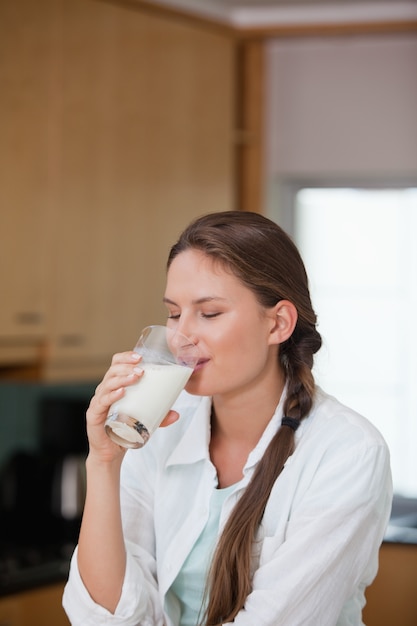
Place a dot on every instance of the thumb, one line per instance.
(170, 418)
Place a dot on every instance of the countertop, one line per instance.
(402, 527)
(29, 567)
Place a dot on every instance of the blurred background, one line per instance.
(120, 121)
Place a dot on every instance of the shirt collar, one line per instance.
(194, 444)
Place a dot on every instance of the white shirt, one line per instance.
(319, 537)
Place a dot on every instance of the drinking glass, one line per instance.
(168, 360)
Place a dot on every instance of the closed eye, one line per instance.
(176, 316)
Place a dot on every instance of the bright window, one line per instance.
(360, 250)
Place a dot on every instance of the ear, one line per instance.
(284, 317)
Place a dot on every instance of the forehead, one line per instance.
(196, 271)
(197, 263)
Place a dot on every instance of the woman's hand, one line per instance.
(125, 370)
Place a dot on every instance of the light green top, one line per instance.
(190, 583)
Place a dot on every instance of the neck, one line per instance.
(237, 425)
(243, 417)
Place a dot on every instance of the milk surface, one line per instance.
(150, 399)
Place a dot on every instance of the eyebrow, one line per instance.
(198, 301)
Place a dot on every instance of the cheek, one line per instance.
(248, 334)
(244, 348)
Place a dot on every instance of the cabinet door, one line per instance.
(24, 169)
(146, 124)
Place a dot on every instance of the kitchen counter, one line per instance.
(402, 527)
(25, 568)
(40, 606)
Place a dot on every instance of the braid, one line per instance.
(296, 357)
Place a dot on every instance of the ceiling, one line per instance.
(249, 13)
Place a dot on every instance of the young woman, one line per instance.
(266, 502)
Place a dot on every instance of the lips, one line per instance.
(200, 363)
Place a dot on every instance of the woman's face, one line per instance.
(233, 331)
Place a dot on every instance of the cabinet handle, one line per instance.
(71, 340)
(28, 318)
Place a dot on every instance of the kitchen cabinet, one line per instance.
(37, 607)
(134, 116)
(24, 90)
(392, 599)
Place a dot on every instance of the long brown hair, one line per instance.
(265, 259)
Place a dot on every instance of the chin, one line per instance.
(197, 388)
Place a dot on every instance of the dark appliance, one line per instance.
(42, 497)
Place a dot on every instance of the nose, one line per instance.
(187, 337)
(186, 328)
(184, 346)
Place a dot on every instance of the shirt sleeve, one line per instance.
(316, 570)
(139, 604)
(135, 607)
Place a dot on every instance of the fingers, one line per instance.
(124, 370)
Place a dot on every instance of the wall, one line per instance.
(341, 107)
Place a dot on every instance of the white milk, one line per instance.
(150, 399)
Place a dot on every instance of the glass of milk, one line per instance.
(168, 360)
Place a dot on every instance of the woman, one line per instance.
(265, 504)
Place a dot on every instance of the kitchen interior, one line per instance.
(121, 121)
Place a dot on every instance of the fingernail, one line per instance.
(135, 356)
(138, 370)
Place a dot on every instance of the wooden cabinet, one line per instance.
(392, 598)
(24, 90)
(38, 607)
(133, 137)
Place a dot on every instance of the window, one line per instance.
(360, 251)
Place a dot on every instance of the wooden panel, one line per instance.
(392, 598)
(250, 138)
(24, 91)
(37, 607)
